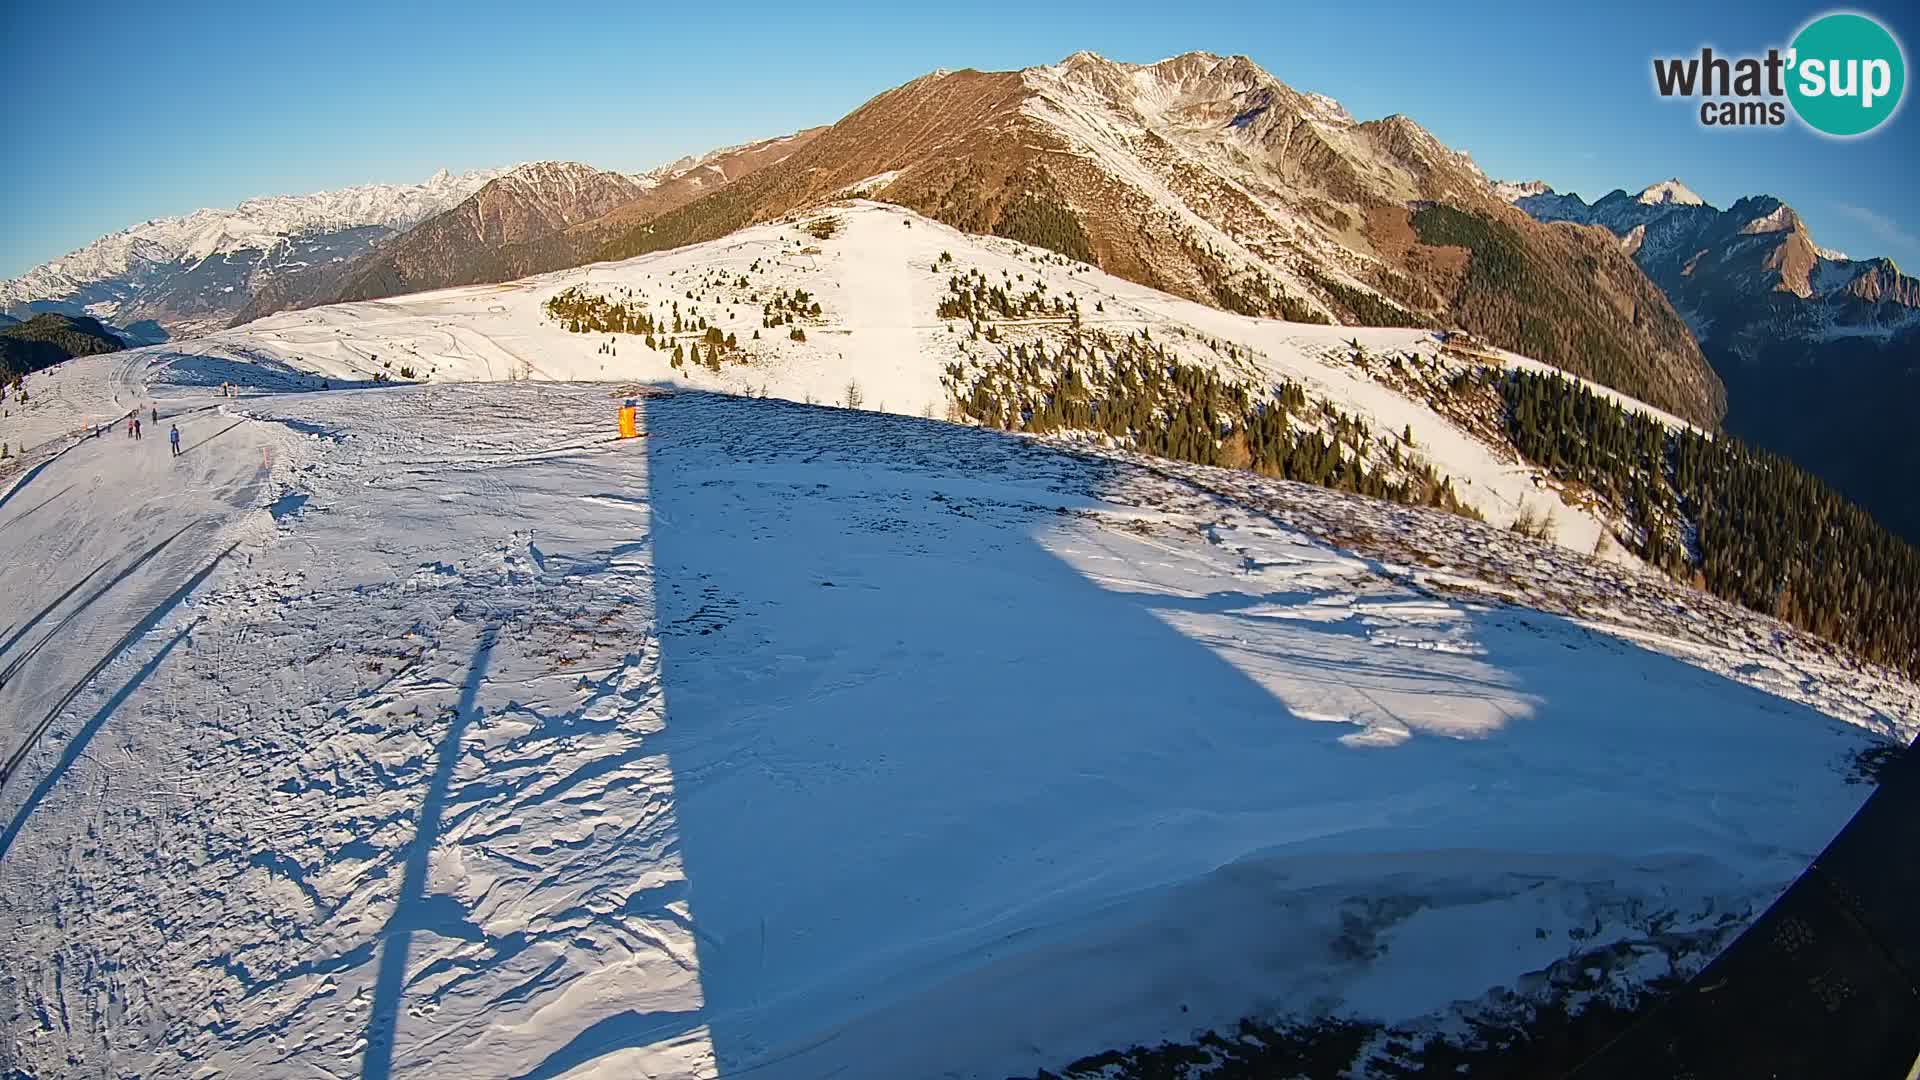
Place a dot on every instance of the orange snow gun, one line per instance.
(629, 420)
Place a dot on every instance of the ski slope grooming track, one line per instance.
(796, 741)
(101, 562)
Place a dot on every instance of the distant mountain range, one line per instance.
(1820, 352)
(1745, 276)
(192, 273)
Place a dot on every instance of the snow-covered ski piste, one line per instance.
(431, 731)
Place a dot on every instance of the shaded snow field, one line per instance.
(426, 731)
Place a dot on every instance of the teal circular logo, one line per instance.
(1848, 74)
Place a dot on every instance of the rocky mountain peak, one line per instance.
(1669, 193)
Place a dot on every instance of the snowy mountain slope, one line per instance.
(878, 281)
(1212, 179)
(194, 272)
(788, 738)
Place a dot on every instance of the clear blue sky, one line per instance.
(122, 112)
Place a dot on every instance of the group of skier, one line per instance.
(135, 430)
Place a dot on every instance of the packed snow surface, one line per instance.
(431, 731)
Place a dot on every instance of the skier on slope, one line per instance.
(174, 438)
(136, 429)
(156, 414)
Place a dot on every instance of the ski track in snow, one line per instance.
(810, 741)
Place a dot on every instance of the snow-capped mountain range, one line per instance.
(536, 217)
(454, 247)
(195, 270)
(1720, 267)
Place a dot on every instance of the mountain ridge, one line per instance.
(525, 202)
(1759, 244)
(560, 230)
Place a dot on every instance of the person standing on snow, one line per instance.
(136, 429)
(156, 414)
(174, 438)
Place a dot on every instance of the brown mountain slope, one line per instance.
(1206, 177)
(688, 179)
(538, 217)
(673, 186)
(462, 246)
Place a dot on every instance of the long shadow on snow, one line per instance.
(411, 911)
(867, 683)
